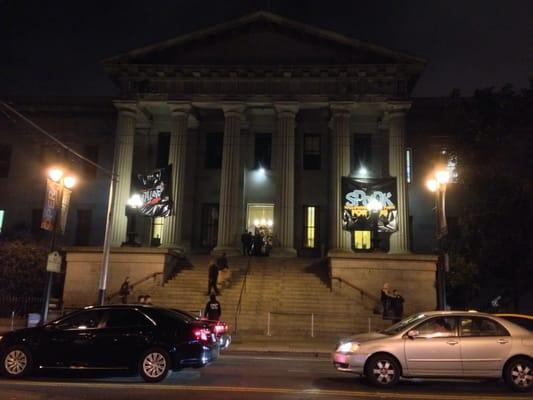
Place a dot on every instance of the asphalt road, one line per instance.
(247, 377)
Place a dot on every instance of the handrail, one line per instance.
(362, 291)
(243, 288)
(152, 275)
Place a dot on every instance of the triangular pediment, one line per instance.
(263, 39)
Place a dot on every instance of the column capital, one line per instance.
(233, 109)
(342, 107)
(396, 110)
(179, 108)
(127, 107)
(287, 108)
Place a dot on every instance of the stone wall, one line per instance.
(412, 274)
(83, 270)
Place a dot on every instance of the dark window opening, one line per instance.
(263, 150)
(312, 153)
(163, 145)
(213, 150)
(5, 160)
(209, 234)
(83, 228)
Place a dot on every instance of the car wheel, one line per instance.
(382, 370)
(518, 374)
(154, 365)
(16, 362)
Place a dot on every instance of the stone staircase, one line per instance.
(282, 297)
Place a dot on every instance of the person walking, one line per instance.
(245, 241)
(212, 278)
(125, 290)
(213, 310)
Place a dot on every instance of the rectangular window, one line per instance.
(409, 165)
(1, 219)
(91, 152)
(362, 240)
(163, 145)
(263, 150)
(5, 160)
(213, 150)
(83, 228)
(310, 227)
(209, 227)
(312, 154)
(362, 151)
(157, 230)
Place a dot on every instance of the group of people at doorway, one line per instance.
(391, 304)
(257, 244)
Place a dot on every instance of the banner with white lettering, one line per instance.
(155, 193)
(362, 197)
(51, 205)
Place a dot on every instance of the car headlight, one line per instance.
(348, 347)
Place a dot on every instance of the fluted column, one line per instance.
(122, 162)
(229, 205)
(399, 241)
(340, 166)
(285, 223)
(177, 153)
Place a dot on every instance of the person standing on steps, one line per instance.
(212, 278)
(125, 290)
(213, 310)
(246, 242)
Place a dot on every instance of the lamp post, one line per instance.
(58, 190)
(437, 184)
(374, 206)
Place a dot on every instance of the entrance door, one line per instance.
(260, 221)
(209, 232)
(260, 216)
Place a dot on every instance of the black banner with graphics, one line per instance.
(363, 197)
(155, 193)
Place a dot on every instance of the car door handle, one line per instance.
(452, 342)
(502, 341)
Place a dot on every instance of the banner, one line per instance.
(65, 203)
(357, 194)
(51, 205)
(155, 193)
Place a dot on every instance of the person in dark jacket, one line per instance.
(222, 262)
(212, 278)
(386, 301)
(397, 306)
(125, 290)
(213, 310)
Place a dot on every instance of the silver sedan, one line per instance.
(441, 344)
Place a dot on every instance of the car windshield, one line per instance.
(403, 324)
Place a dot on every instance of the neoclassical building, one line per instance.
(260, 118)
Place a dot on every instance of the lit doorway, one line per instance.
(260, 216)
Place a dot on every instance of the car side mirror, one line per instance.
(412, 334)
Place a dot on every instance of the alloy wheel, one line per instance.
(522, 375)
(154, 365)
(15, 362)
(384, 372)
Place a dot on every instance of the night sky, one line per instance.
(55, 47)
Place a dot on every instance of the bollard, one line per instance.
(13, 320)
(268, 324)
(312, 325)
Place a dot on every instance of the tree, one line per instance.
(22, 268)
(495, 132)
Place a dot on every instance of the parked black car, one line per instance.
(220, 328)
(144, 339)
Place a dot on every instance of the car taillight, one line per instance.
(201, 334)
(221, 328)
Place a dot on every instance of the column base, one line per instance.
(183, 247)
(339, 251)
(283, 252)
(230, 251)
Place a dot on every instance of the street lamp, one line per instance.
(58, 190)
(437, 184)
(374, 206)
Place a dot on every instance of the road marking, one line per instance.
(265, 390)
